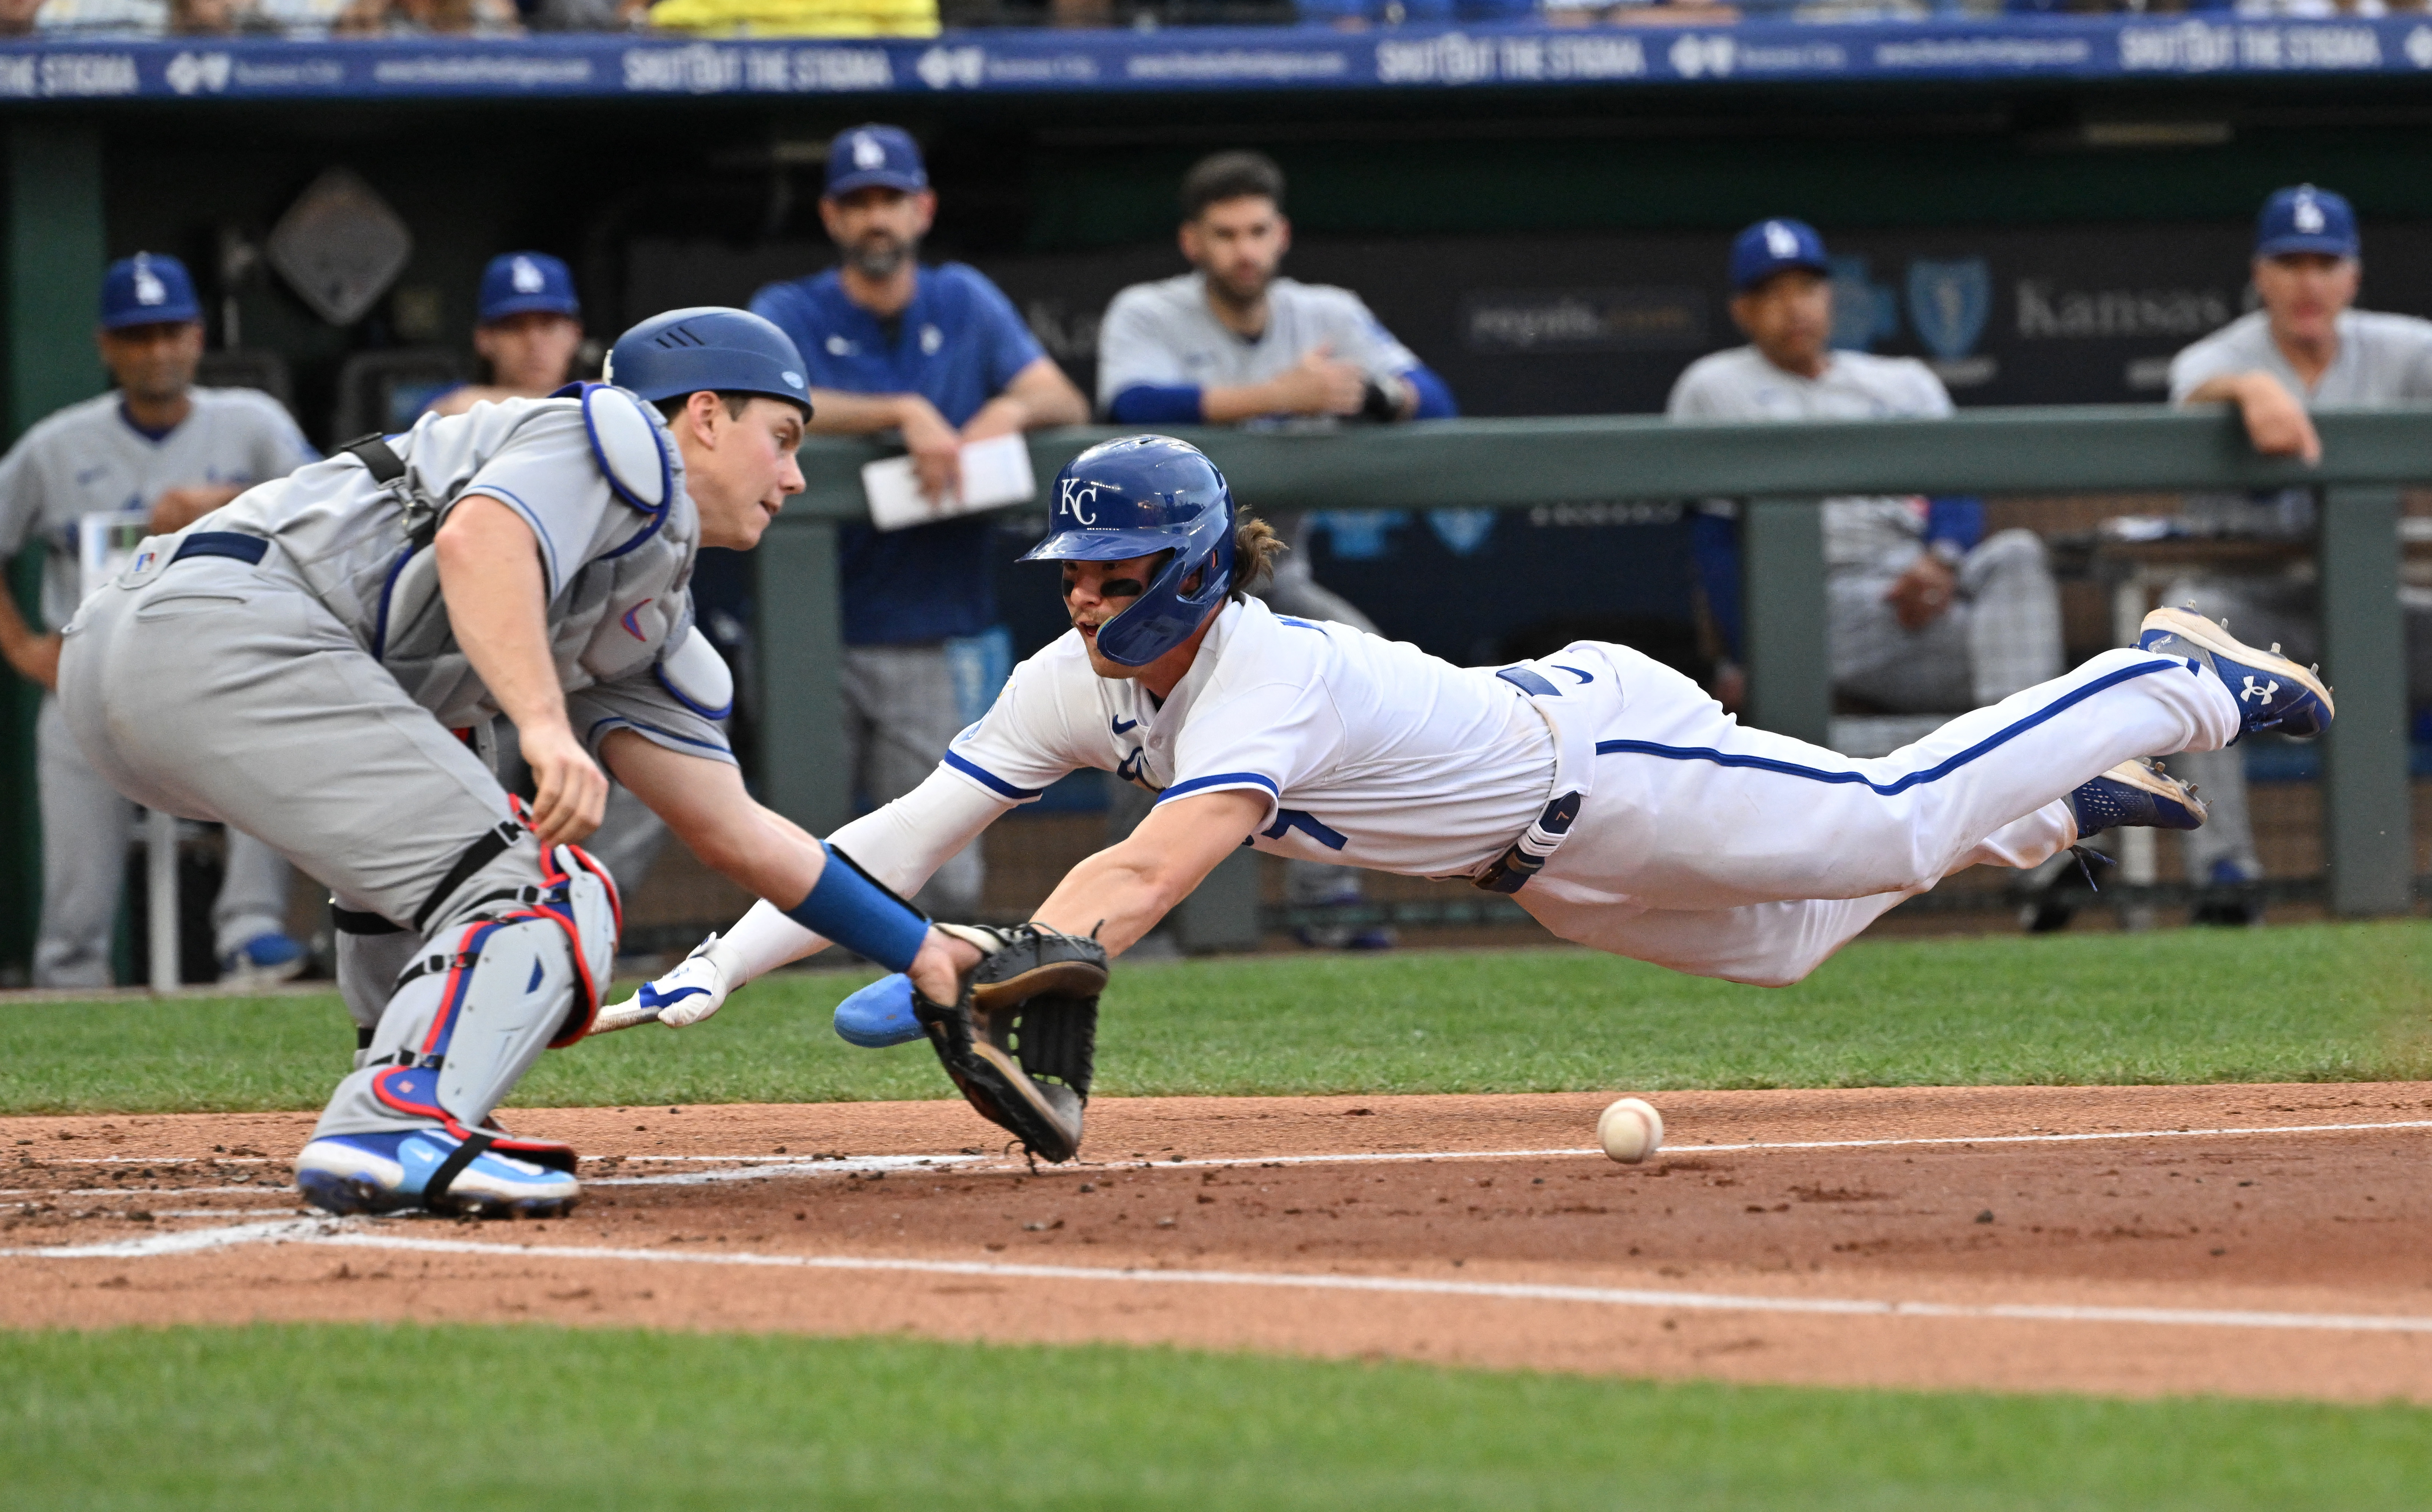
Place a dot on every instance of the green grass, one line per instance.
(2326, 1002)
(266, 1418)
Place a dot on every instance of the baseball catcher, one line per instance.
(307, 663)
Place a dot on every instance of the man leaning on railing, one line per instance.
(2306, 346)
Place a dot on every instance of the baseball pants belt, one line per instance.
(1541, 684)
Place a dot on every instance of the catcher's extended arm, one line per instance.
(1022, 1042)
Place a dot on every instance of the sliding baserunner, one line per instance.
(304, 663)
(1607, 793)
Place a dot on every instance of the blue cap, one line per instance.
(2306, 219)
(882, 155)
(147, 289)
(1769, 246)
(517, 283)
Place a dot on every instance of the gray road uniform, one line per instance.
(2004, 633)
(1164, 333)
(87, 460)
(287, 664)
(2382, 359)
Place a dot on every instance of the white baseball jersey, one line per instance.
(1740, 384)
(89, 459)
(1365, 751)
(619, 580)
(2382, 359)
(1164, 333)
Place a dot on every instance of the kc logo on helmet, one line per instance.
(1080, 501)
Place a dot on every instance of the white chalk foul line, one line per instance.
(1508, 1291)
(185, 1241)
(849, 1166)
(1680, 1150)
(351, 1235)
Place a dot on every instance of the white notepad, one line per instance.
(996, 472)
(104, 545)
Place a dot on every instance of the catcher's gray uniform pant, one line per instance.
(2003, 635)
(85, 829)
(900, 712)
(2260, 612)
(221, 691)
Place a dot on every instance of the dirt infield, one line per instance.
(2254, 1240)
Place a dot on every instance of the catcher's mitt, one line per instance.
(1021, 1042)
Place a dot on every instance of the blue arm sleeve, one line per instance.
(1715, 542)
(1435, 394)
(1956, 518)
(1150, 403)
(857, 913)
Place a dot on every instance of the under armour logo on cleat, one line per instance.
(2261, 695)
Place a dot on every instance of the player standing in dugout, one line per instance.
(158, 451)
(300, 661)
(1605, 792)
(1233, 341)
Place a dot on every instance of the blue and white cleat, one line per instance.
(2272, 692)
(263, 961)
(347, 1174)
(2136, 795)
(879, 1014)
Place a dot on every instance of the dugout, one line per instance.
(2105, 206)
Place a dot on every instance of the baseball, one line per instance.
(1630, 1130)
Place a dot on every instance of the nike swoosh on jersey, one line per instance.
(1126, 726)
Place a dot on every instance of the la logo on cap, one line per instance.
(867, 153)
(1780, 240)
(2309, 215)
(528, 277)
(149, 290)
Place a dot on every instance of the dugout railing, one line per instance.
(1781, 471)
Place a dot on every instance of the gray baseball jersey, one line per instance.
(2382, 359)
(89, 459)
(618, 576)
(1740, 384)
(1164, 333)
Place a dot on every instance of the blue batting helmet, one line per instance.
(1135, 497)
(709, 346)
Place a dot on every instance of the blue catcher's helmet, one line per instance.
(1134, 497)
(708, 347)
